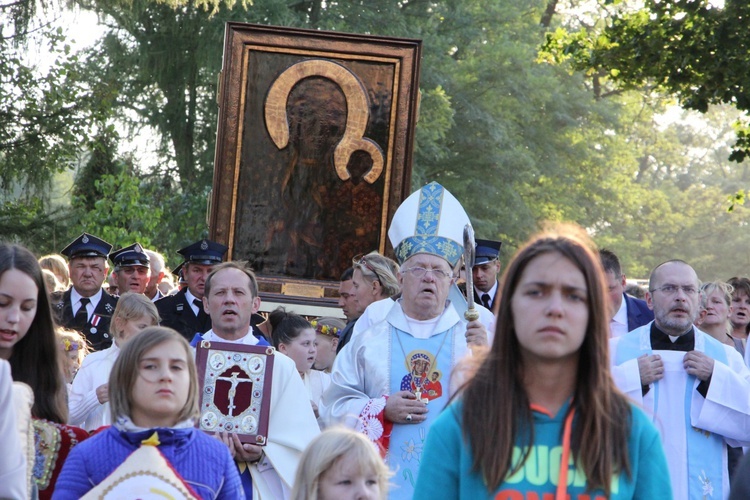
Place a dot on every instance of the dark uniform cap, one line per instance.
(86, 245)
(177, 271)
(204, 252)
(487, 251)
(130, 256)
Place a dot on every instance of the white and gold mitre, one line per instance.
(430, 221)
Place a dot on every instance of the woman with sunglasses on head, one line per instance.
(541, 415)
(374, 281)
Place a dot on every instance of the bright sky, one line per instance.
(80, 27)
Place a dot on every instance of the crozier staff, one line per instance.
(545, 395)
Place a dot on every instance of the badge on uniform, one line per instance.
(108, 308)
(180, 307)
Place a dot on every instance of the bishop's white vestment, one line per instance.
(388, 358)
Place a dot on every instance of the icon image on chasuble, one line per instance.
(423, 376)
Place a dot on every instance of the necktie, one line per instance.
(486, 300)
(202, 316)
(82, 315)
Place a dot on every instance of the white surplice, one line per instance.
(724, 413)
(292, 425)
(361, 371)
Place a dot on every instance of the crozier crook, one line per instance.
(357, 113)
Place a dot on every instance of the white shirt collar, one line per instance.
(492, 292)
(622, 313)
(248, 339)
(75, 298)
(190, 298)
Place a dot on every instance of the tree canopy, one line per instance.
(693, 50)
(518, 134)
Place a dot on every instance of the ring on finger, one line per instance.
(408, 417)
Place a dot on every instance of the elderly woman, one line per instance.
(716, 301)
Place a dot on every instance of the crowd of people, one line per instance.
(565, 386)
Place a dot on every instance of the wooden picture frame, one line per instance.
(313, 152)
(235, 383)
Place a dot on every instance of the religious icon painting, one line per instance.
(235, 389)
(314, 149)
(422, 376)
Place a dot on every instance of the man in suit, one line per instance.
(184, 311)
(485, 272)
(626, 313)
(132, 268)
(87, 307)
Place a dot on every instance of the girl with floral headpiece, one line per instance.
(327, 332)
(74, 347)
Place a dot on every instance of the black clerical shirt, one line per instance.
(660, 341)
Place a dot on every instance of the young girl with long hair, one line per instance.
(29, 342)
(89, 394)
(541, 414)
(153, 402)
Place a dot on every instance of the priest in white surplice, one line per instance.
(696, 388)
(393, 379)
(267, 473)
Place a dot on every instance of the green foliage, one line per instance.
(43, 117)
(131, 207)
(123, 213)
(519, 135)
(692, 50)
(34, 225)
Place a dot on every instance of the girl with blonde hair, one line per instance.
(75, 348)
(89, 396)
(341, 464)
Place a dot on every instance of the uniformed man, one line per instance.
(184, 311)
(132, 268)
(86, 307)
(485, 272)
